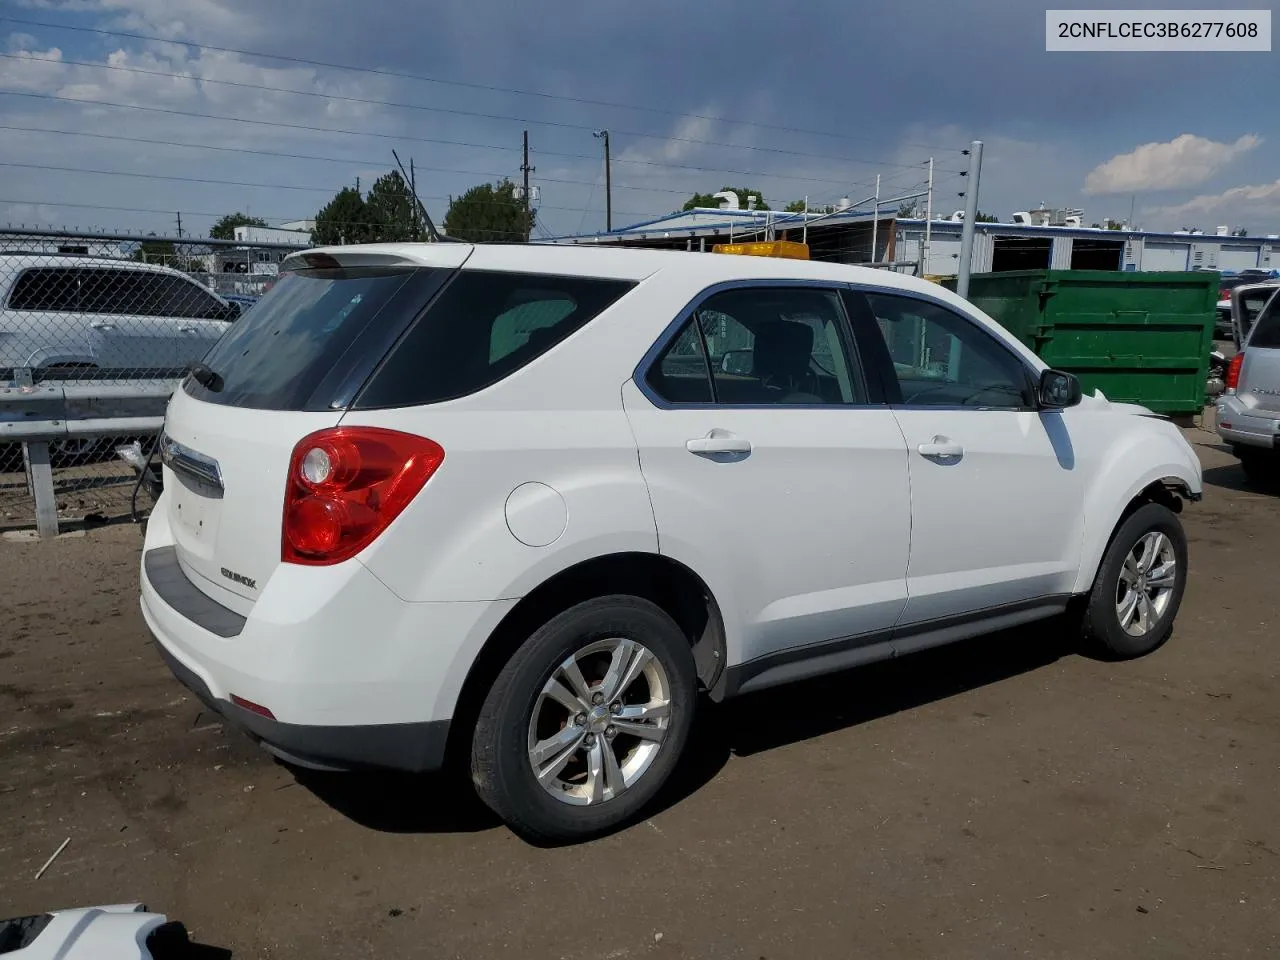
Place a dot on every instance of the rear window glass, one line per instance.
(484, 326)
(1266, 332)
(294, 349)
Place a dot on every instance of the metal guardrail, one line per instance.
(36, 416)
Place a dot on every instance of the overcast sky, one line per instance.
(800, 98)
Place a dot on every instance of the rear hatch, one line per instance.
(1259, 383)
(289, 367)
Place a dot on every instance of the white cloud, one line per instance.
(1185, 161)
(1247, 204)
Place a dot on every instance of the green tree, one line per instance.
(489, 213)
(344, 219)
(391, 209)
(225, 228)
(709, 200)
(909, 210)
(796, 206)
(986, 218)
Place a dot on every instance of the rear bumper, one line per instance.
(1237, 423)
(351, 675)
(416, 747)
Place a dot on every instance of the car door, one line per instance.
(773, 471)
(995, 491)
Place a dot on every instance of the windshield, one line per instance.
(297, 348)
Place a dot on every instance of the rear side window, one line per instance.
(1266, 330)
(483, 327)
(313, 333)
(139, 293)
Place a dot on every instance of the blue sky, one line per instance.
(813, 98)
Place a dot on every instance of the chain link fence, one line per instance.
(112, 308)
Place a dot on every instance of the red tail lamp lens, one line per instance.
(1233, 370)
(346, 484)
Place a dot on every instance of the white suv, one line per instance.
(519, 505)
(66, 315)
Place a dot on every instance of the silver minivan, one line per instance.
(1248, 413)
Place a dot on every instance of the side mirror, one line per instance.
(1058, 390)
(736, 362)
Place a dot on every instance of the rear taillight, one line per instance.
(1233, 370)
(346, 484)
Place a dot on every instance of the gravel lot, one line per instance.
(1005, 797)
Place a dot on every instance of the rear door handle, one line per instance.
(719, 441)
(186, 329)
(941, 448)
(103, 326)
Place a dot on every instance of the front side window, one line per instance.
(46, 288)
(941, 358)
(761, 345)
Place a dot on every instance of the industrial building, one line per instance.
(848, 236)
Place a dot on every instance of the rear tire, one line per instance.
(1139, 585)
(586, 721)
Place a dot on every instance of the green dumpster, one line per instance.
(1138, 337)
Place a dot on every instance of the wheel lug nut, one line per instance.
(615, 708)
(590, 741)
(597, 699)
(580, 720)
(611, 731)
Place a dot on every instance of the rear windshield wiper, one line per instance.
(204, 375)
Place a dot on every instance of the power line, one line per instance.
(304, 156)
(454, 83)
(243, 183)
(446, 110)
(169, 111)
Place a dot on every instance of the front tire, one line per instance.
(587, 720)
(1139, 585)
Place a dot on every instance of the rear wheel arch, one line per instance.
(667, 583)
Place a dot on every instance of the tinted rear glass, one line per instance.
(484, 326)
(313, 333)
(1266, 332)
(139, 293)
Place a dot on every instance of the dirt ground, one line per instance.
(1004, 797)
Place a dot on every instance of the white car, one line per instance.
(70, 316)
(521, 504)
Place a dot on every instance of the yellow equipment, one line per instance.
(786, 249)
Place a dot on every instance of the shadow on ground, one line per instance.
(1231, 477)
(445, 802)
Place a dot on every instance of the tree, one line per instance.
(986, 218)
(391, 209)
(1242, 232)
(709, 200)
(909, 210)
(489, 213)
(225, 229)
(796, 206)
(344, 219)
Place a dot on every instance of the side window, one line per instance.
(763, 345)
(45, 289)
(941, 358)
(114, 292)
(180, 297)
(680, 373)
(484, 326)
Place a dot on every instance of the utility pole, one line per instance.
(608, 181)
(928, 224)
(179, 224)
(970, 216)
(875, 224)
(413, 189)
(526, 170)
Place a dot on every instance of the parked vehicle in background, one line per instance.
(75, 316)
(242, 300)
(521, 504)
(1248, 413)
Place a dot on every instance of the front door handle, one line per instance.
(719, 441)
(186, 329)
(941, 448)
(103, 326)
